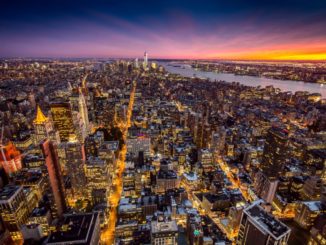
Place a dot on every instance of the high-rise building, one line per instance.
(136, 63)
(166, 180)
(137, 144)
(92, 143)
(97, 174)
(205, 157)
(312, 188)
(75, 161)
(145, 64)
(318, 231)
(13, 209)
(265, 187)
(43, 128)
(260, 228)
(164, 232)
(54, 171)
(77, 229)
(218, 141)
(194, 228)
(234, 219)
(63, 120)
(10, 158)
(307, 212)
(84, 88)
(41, 216)
(274, 157)
(275, 152)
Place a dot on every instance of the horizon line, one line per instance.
(160, 58)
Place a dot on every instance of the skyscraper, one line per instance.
(275, 152)
(42, 126)
(10, 158)
(75, 157)
(136, 63)
(260, 228)
(13, 209)
(265, 187)
(77, 229)
(84, 88)
(274, 156)
(54, 170)
(145, 60)
(63, 120)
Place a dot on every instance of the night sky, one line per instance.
(278, 29)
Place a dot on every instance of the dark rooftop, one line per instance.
(268, 222)
(8, 191)
(74, 228)
(166, 174)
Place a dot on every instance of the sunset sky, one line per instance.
(276, 30)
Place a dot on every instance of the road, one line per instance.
(107, 236)
(235, 182)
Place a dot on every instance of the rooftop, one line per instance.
(40, 117)
(313, 206)
(111, 145)
(37, 212)
(163, 226)
(8, 191)
(267, 222)
(75, 228)
(166, 174)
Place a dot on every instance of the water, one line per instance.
(284, 85)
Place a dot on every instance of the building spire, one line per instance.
(40, 117)
(84, 86)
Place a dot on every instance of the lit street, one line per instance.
(107, 236)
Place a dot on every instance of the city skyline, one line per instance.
(165, 123)
(251, 30)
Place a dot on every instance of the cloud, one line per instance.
(187, 29)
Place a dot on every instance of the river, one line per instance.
(284, 85)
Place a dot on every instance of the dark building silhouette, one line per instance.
(275, 152)
(54, 170)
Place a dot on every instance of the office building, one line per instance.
(41, 216)
(318, 231)
(275, 152)
(55, 177)
(259, 227)
(32, 232)
(164, 232)
(194, 228)
(205, 157)
(77, 229)
(43, 128)
(63, 120)
(145, 63)
(75, 162)
(307, 212)
(10, 158)
(13, 209)
(166, 180)
(265, 187)
(97, 174)
(138, 144)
